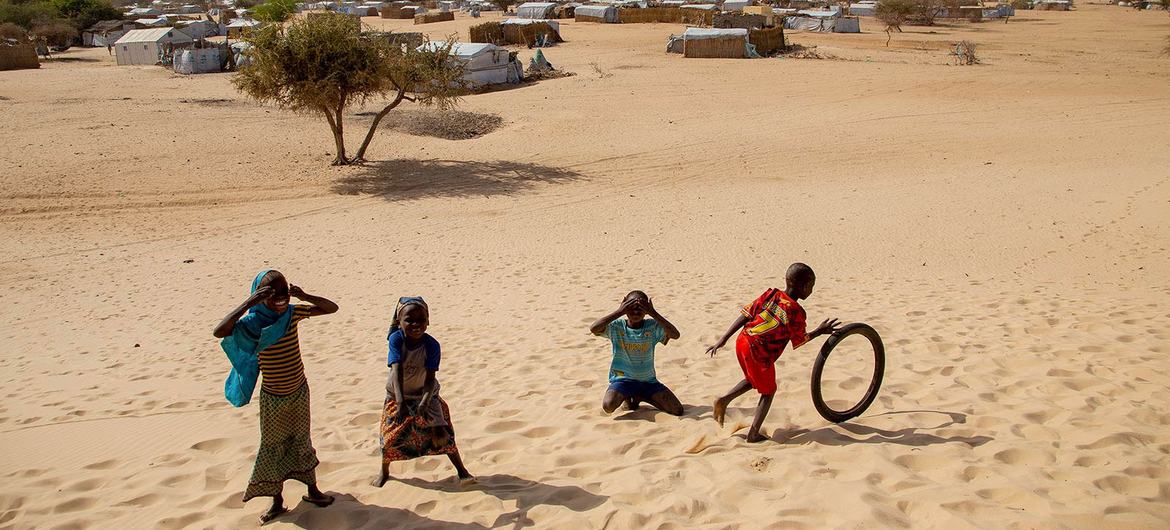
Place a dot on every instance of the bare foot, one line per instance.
(633, 404)
(380, 480)
(719, 410)
(466, 479)
(275, 511)
(755, 437)
(320, 500)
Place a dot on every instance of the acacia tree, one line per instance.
(324, 64)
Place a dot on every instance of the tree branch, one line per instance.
(360, 156)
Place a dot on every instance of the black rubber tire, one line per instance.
(879, 369)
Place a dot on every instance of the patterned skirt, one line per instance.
(412, 437)
(286, 452)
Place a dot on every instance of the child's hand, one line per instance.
(401, 415)
(259, 296)
(296, 291)
(648, 306)
(829, 326)
(714, 349)
(629, 305)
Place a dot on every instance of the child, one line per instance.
(263, 330)
(631, 372)
(415, 419)
(775, 318)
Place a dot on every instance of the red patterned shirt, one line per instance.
(773, 320)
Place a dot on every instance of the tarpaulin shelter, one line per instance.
(604, 14)
(715, 43)
(483, 64)
(536, 10)
(145, 46)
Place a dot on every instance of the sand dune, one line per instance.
(1002, 226)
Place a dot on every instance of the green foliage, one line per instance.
(275, 10)
(26, 15)
(9, 30)
(894, 13)
(80, 14)
(57, 33)
(325, 64)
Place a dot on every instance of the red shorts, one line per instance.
(761, 375)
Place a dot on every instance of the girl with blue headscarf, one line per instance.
(260, 339)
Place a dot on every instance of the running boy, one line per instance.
(631, 372)
(768, 323)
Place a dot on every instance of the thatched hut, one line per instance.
(20, 56)
(709, 43)
(434, 16)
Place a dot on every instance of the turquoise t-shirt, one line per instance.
(633, 349)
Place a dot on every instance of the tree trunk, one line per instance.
(361, 152)
(336, 126)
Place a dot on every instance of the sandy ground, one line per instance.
(1004, 226)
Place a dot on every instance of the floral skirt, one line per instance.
(412, 437)
(286, 452)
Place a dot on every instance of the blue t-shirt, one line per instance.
(633, 349)
(398, 349)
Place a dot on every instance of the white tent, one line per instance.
(824, 23)
(152, 22)
(605, 13)
(536, 10)
(483, 64)
(144, 46)
(144, 12)
(863, 9)
(736, 5)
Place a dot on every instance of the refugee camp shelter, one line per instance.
(822, 21)
(536, 10)
(863, 9)
(18, 55)
(142, 12)
(536, 25)
(197, 60)
(238, 26)
(483, 64)
(603, 14)
(715, 43)
(106, 32)
(144, 46)
(199, 29)
(736, 5)
(153, 22)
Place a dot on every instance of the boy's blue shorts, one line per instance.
(639, 390)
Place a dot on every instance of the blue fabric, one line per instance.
(258, 329)
(398, 348)
(404, 301)
(633, 349)
(639, 390)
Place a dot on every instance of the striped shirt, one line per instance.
(280, 364)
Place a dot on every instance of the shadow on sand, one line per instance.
(348, 512)
(862, 434)
(648, 412)
(527, 494)
(395, 180)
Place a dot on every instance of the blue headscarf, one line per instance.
(258, 329)
(395, 325)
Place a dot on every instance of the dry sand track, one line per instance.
(1003, 226)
